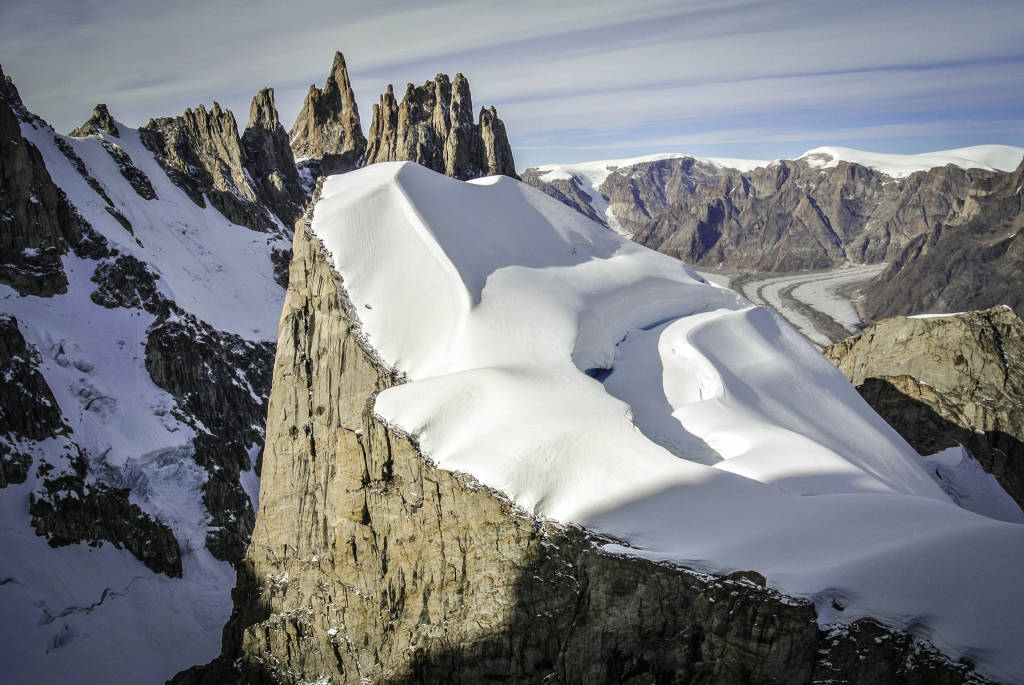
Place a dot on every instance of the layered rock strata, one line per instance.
(971, 260)
(368, 564)
(947, 380)
(433, 126)
(327, 129)
(792, 215)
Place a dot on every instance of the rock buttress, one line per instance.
(947, 380)
(433, 126)
(367, 564)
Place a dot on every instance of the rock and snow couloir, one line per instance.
(596, 382)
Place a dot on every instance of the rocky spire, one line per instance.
(328, 127)
(202, 153)
(100, 121)
(37, 223)
(268, 159)
(9, 93)
(433, 126)
(497, 150)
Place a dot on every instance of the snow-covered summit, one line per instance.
(597, 382)
(988, 157)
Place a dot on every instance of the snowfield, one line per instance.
(597, 382)
(989, 157)
(84, 614)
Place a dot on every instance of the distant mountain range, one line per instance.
(946, 222)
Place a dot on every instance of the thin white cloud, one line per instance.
(605, 71)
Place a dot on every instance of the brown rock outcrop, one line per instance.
(37, 223)
(100, 121)
(269, 160)
(433, 126)
(327, 128)
(202, 153)
(943, 381)
(970, 260)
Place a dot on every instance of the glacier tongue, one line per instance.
(719, 438)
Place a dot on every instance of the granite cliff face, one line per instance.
(433, 126)
(327, 129)
(39, 225)
(202, 152)
(947, 380)
(368, 564)
(269, 160)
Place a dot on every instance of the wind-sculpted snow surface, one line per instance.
(597, 382)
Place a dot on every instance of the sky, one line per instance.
(572, 80)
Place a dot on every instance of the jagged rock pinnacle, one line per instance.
(328, 127)
(100, 121)
(433, 126)
(268, 159)
(263, 112)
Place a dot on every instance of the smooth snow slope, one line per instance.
(719, 438)
(989, 157)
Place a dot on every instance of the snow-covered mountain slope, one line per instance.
(596, 382)
(143, 374)
(987, 157)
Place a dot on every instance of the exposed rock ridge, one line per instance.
(370, 565)
(433, 126)
(37, 221)
(99, 122)
(971, 260)
(202, 154)
(219, 381)
(28, 410)
(327, 127)
(790, 216)
(943, 381)
(269, 160)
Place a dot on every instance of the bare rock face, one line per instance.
(202, 153)
(370, 565)
(948, 380)
(269, 160)
(99, 122)
(37, 223)
(327, 128)
(790, 216)
(433, 126)
(971, 260)
(28, 410)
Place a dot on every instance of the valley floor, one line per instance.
(820, 304)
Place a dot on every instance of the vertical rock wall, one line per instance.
(367, 564)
